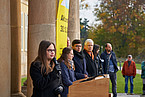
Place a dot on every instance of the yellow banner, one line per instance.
(62, 25)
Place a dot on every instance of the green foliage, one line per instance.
(121, 84)
(123, 25)
(23, 80)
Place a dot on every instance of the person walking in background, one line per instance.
(110, 66)
(44, 73)
(129, 72)
(79, 60)
(67, 66)
(143, 75)
(89, 56)
(96, 49)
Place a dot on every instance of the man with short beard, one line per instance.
(110, 66)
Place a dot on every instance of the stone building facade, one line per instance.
(16, 50)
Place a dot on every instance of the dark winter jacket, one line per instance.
(91, 65)
(99, 64)
(105, 57)
(80, 65)
(129, 70)
(143, 70)
(68, 77)
(43, 85)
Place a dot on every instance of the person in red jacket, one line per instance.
(129, 72)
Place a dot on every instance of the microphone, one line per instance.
(55, 61)
(57, 65)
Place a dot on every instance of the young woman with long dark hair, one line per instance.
(43, 73)
(67, 66)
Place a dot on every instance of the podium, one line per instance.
(94, 87)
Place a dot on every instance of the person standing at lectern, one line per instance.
(98, 60)
(44, 73)
(67, 67)
(110, 66)
(79, 60)
(91, 65)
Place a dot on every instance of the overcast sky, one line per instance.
(88, 13)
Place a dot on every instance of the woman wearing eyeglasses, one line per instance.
(43, 73)
(67, 66)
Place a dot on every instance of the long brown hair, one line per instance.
(64, 57)
(42, 57)
(95, 48)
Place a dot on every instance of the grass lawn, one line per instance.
(121, 84)
(23, 80)
(138, 66)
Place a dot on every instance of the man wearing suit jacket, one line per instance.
(90, 60)
(79, 60)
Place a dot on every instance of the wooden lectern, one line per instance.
(96, 87)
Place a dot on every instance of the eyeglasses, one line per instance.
(78, 46)
(51, 50)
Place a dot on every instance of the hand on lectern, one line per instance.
(86, 75)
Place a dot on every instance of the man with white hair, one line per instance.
(129, 72)
(91, 65)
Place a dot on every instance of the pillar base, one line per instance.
(20, 94)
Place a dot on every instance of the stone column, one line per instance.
(41, 26)
(5, 48)
(15, 10)
(74, 21)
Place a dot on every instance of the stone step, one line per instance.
(24, 90)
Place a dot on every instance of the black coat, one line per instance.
(91, 65)
(105, 57)
(99, 64)
(80, 65)
(43, 85)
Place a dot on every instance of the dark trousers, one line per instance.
(113, 79)
(144, 86)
